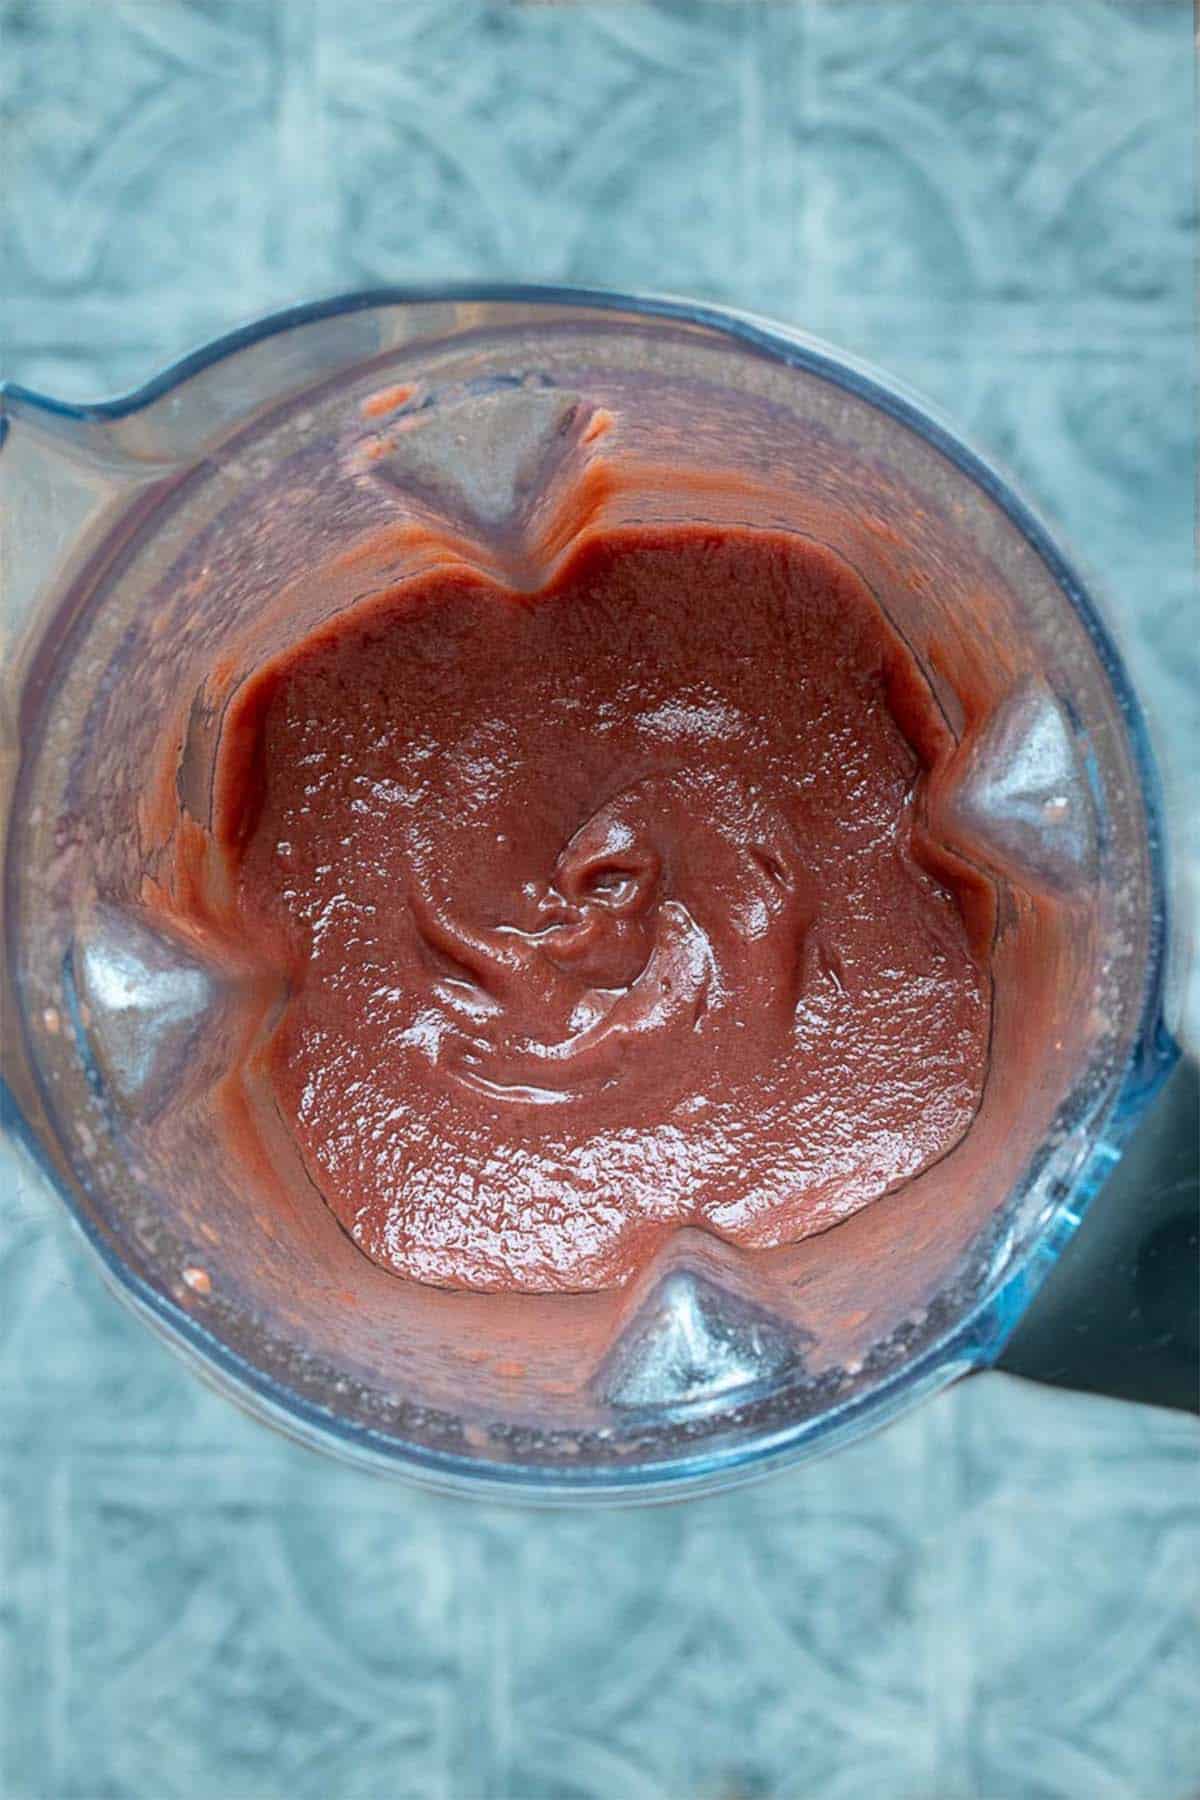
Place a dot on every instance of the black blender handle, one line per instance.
(1120, 1312)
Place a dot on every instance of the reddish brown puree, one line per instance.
(602, 909)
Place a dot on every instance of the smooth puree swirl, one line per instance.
(677, 908)
(600, 909)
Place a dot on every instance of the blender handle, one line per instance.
(1119, 1313)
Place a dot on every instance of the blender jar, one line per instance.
(145, 534)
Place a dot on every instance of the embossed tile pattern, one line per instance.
(997, 1599)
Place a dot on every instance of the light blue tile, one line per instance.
(993, 1601)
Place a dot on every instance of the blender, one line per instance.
(144, 534)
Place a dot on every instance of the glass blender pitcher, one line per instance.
(143, 534)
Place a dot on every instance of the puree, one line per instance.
(600, 909)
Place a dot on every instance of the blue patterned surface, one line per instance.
(997, 1599)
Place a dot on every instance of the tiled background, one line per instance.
(998, 1599)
